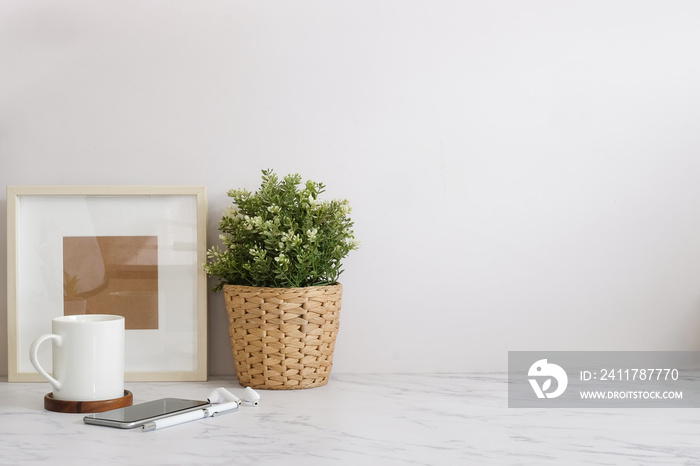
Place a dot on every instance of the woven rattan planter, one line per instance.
(283, 338)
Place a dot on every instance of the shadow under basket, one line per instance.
(283, 338)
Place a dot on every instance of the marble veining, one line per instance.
(440, 419)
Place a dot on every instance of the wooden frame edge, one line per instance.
(201, 374)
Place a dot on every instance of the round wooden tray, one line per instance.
(61, 406)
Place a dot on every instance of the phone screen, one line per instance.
(133, 416)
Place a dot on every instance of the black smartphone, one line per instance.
(137, 415)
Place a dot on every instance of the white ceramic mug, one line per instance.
(88, 357)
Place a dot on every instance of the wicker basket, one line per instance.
(283, 338)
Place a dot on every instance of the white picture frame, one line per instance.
(40, 218)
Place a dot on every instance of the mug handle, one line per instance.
(34, 358)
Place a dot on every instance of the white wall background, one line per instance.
(524, 175)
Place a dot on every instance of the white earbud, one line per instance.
(251, 396)
(224, 402)
(220, 394)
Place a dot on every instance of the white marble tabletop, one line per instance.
(355, 419)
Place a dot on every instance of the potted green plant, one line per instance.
(279, 266)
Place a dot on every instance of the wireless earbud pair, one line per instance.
(220, 394)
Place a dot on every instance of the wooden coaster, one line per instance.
(61, 406)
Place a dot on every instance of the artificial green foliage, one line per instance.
(282, 236)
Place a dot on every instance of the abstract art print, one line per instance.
(115, 275)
